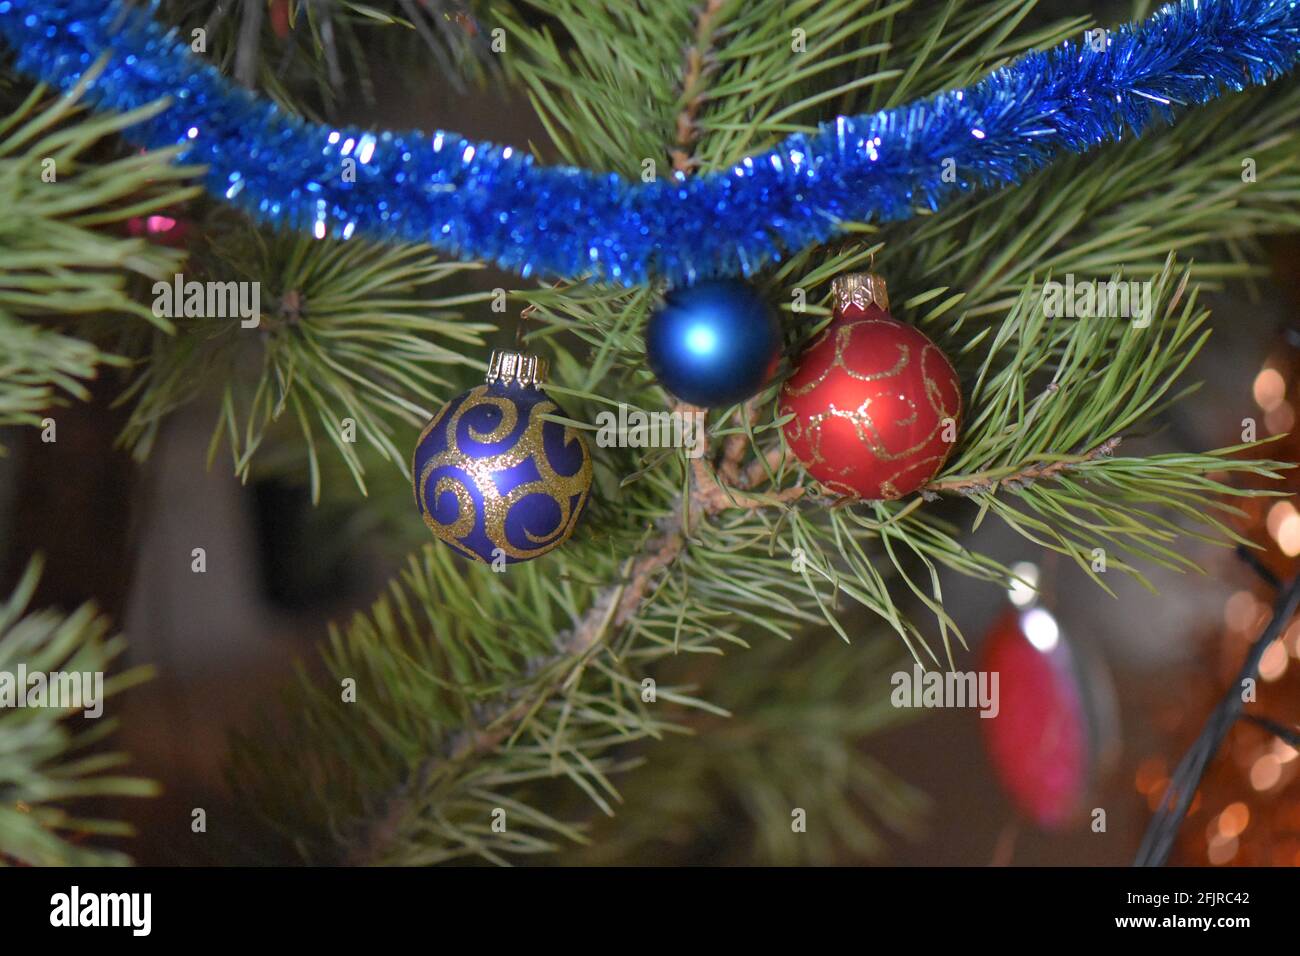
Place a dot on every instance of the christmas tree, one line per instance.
(710, 611)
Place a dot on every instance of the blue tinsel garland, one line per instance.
(479, 200)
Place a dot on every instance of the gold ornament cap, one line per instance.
(860, 289)
(516, 368)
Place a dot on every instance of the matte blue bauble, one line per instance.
(493, 478)
(714, 343)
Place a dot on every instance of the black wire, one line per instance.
(1162, 832)
(1249, 556)
(1290, 735)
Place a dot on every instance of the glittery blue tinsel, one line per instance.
(483, 201)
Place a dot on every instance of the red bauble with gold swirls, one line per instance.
(876, 404)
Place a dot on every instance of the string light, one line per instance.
(1269, 389)
(1247, 809)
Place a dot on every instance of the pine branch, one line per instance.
(61, 256)
(350, 350)
(610, 610)
(477, 691)
(62, 253)
(801, 712)
(1021, 475)
(693, 77)
(47, 758)
(36, 365)
(1181, 190)
(538, 697)
(299, 51)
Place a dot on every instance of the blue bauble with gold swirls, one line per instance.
(493, 478)
(714, 343)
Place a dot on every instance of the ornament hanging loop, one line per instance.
(525, 314)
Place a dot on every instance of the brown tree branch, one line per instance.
(1028, 474)
(697, 67)
(613, 607)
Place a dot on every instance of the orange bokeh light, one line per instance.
(1269, 389)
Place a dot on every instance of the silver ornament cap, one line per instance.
(509, 367)
(859, 289)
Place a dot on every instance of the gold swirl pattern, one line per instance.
(843, 337)
(895, 416)
(518, 482)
